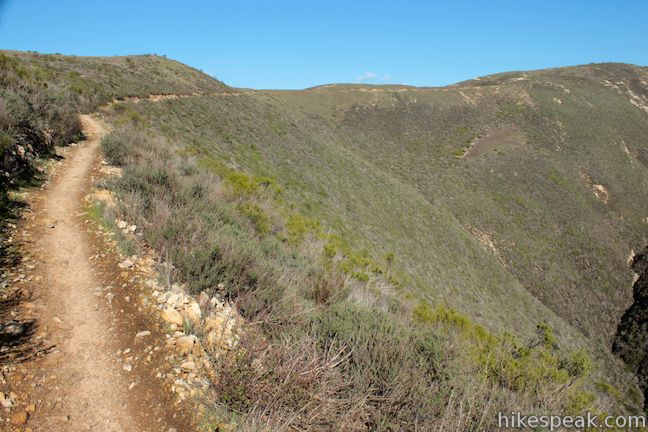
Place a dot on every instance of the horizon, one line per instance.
(326, 84)
(291, 46)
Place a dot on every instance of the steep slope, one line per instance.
(515, 198)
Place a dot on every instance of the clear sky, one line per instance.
(297, 44)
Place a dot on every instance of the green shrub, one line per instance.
(258, 217)
(114, 149)
(298, 226)
(536, 369)
(240, 183)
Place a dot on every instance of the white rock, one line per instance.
(188, 366)
(172, 299)
(185, 344)
(172, 316)
(143, 334)
(126, 264)
(193, 312)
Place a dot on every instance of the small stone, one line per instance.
(126, 264)
(30, 408)
(172, 299)
(127, 367)
(143, 334)
(188, 366)
(121, 224)
(19, 418)
(185, 344)
(172, 316)
(6, 403)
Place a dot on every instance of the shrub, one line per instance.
(536, 369)
(298, 226)
(392, 365)
(114, 149)
(257, 216)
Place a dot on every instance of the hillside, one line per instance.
(482, 230)
(41, 95)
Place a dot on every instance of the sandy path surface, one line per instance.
(98, 390)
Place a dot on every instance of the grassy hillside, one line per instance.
(41, 94)
(518, 225)
(451, 247)
(336, 338)
(515, 199)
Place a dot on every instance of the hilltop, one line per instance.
(396, 224)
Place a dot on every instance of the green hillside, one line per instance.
(41, 95)
(519, 225)
(471, 241)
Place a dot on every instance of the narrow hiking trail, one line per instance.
(84, 382)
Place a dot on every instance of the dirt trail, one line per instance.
(97, 388)
(83, 384)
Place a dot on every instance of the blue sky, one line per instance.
(297, 44)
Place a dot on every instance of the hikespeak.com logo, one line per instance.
(518, 420)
